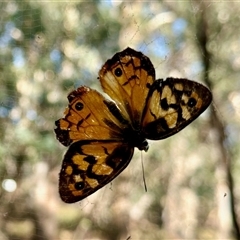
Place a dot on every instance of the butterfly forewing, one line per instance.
(89, 165)
(87, 117)
(126, 79)
(173, 104)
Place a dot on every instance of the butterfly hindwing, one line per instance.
(89, 165)
(173, 104)
(126, 78)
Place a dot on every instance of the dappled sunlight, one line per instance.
(48, 49)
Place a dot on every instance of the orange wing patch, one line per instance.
(86, 118)
(126, 78)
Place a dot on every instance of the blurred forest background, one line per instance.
(49, 48)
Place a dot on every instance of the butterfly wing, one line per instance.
(126, 78)
(89, 116)
(90, 165)
(171, 105)
(93, 127)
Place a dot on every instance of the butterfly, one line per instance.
(102, 132)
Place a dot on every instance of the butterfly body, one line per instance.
(102, 133)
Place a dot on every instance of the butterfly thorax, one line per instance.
(136, 138)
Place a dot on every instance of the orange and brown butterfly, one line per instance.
(102, 133)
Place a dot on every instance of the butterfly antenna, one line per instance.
(144, 180)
